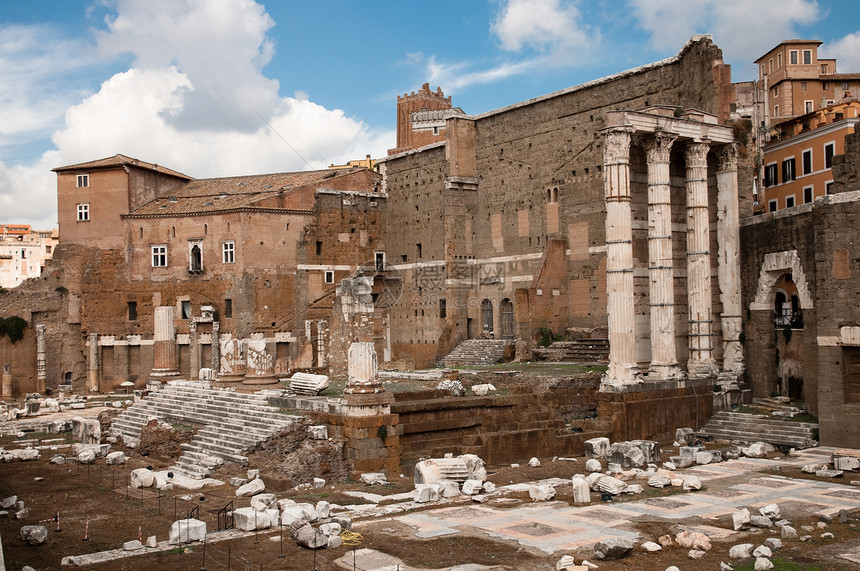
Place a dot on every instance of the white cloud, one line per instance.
(195, 100)
(846, 50)
(537, 34)
(744, 30)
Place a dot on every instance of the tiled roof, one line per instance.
(211, 195)
(120, 160)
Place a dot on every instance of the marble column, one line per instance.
(164, 364)
(40, 359)
(661, 283)
(93, 363)
(699, 300)
(728, 237)
(193, 351)
(216, 348)
(619, 258)
(6, 381)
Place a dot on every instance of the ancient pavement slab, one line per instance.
(372, 560)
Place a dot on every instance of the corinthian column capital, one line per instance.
(696, 154)
(728, 155)
(658, 146)
(616, 146)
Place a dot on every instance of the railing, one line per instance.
(225, 517)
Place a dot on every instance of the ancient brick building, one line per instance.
(801, 319)
(544, 213)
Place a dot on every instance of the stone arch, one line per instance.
(772, 269)
(486, 316)
(507, 321)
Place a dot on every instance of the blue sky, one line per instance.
(216, 87)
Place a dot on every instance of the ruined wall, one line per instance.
(538, 167)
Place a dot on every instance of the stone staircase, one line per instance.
(579, 350)
(743, 427)
(231, 423)
(476, 352)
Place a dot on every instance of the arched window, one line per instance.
(507, 309)
(486, 315)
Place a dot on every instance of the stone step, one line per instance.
(476, 352)
(735, 426)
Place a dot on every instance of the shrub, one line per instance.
(13, 328)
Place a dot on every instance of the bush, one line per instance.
(13, 328)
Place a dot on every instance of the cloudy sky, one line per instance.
(228, 87)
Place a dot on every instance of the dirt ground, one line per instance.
(97, 494)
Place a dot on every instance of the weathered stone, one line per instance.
(311, 538)
(299, 512)
(581, 490)
(87, 457)
(22, 513)
(186, 530)
(627, 454)
(695, 554)
(252, 488)
(611, 485)
(151, 541)
(483, 389)
(59, 460)
(115, 458)
(650, 546)
(593, 465)
(253, 473)
(762, 551)
(597, 447)
(741, 519)
(7, 503)
(489, 487)
(471, 487)
(262, 502)
(334, 541)
(757, 450)
(683, 435)
(451, 489)
(249, 519)
(132, 545)
(692, 483)
(761, 521)
(308, 383)
(319, 483)
(788, 532)
(319, 432)
(236, 481)
(323, 509)
(813, 468)
(330, 528)
(613, 548)
(87, 430)
(34, 534)
(763, 564)
(829, 473)
(693, 540)
(541, 492)
(770, 510)
(141, 478)
(774, 543)
(846, 463)
(534, 463)
(371, 478)
(593, 479)
(650, 449)
(634, 489)
(424, 493)
(659, 481)
(741, 551)
(565, 562)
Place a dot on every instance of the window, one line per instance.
(329, 277)
(763, 72)
(132, 311)
(319, 248)
(829, 150)
(159, 256)
(823, 68)
(770, 64)
(808, 106)
(228, 308)
(83, 212)
(828, 187)
(83, 180)
(775, 90)
(771, 205)
(807, 194)
(788, 170)
(47, 249)
(195, 256)
(778, 60)
(379, 261)
(443, 308)
(435, 130)
(845, 86)
(789, 201)
(803, 86)
(807, 57)
(807, 161)
(186, 309)
(825, 85)
(792, 57)
(418, 250)
(228, 252)
(770, 174)
(776, 110)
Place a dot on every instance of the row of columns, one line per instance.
(623, 367)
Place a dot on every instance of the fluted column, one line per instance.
(619, 258)
(40, 359)
(93, 363)
(362, 368)
(728, 237)
(661, 284)
(701, 361)
(6, 381)
(164, 344)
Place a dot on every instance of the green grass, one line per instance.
(779, 564)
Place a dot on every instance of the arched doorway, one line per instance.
(486, 316)
(507, 309)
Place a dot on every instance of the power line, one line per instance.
(275, 131)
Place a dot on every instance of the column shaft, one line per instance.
(700, 314)
(619, 258)
(660, 264)
(728, 236)
(93, 363)
(40, 359)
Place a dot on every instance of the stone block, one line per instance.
(371, 478)
(541, 492)
(34, 534)
(613, 548)
(323, 509)
(132, 545)
(846, 463)
(581, 490)
(299, 512)
(741, 551)
(650, 449)
(115, 458)
(318, 432)
(597, 447)
(252, 488)
(87, 430)
(249, 519)
(593, 465)
(151, 541)
(186, 530)
(141, 478)
(262, 502)
(307, 536)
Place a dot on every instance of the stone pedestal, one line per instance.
(40, 359)
(260, 368)
(164, 365)
(364, 393)
(231, 365)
